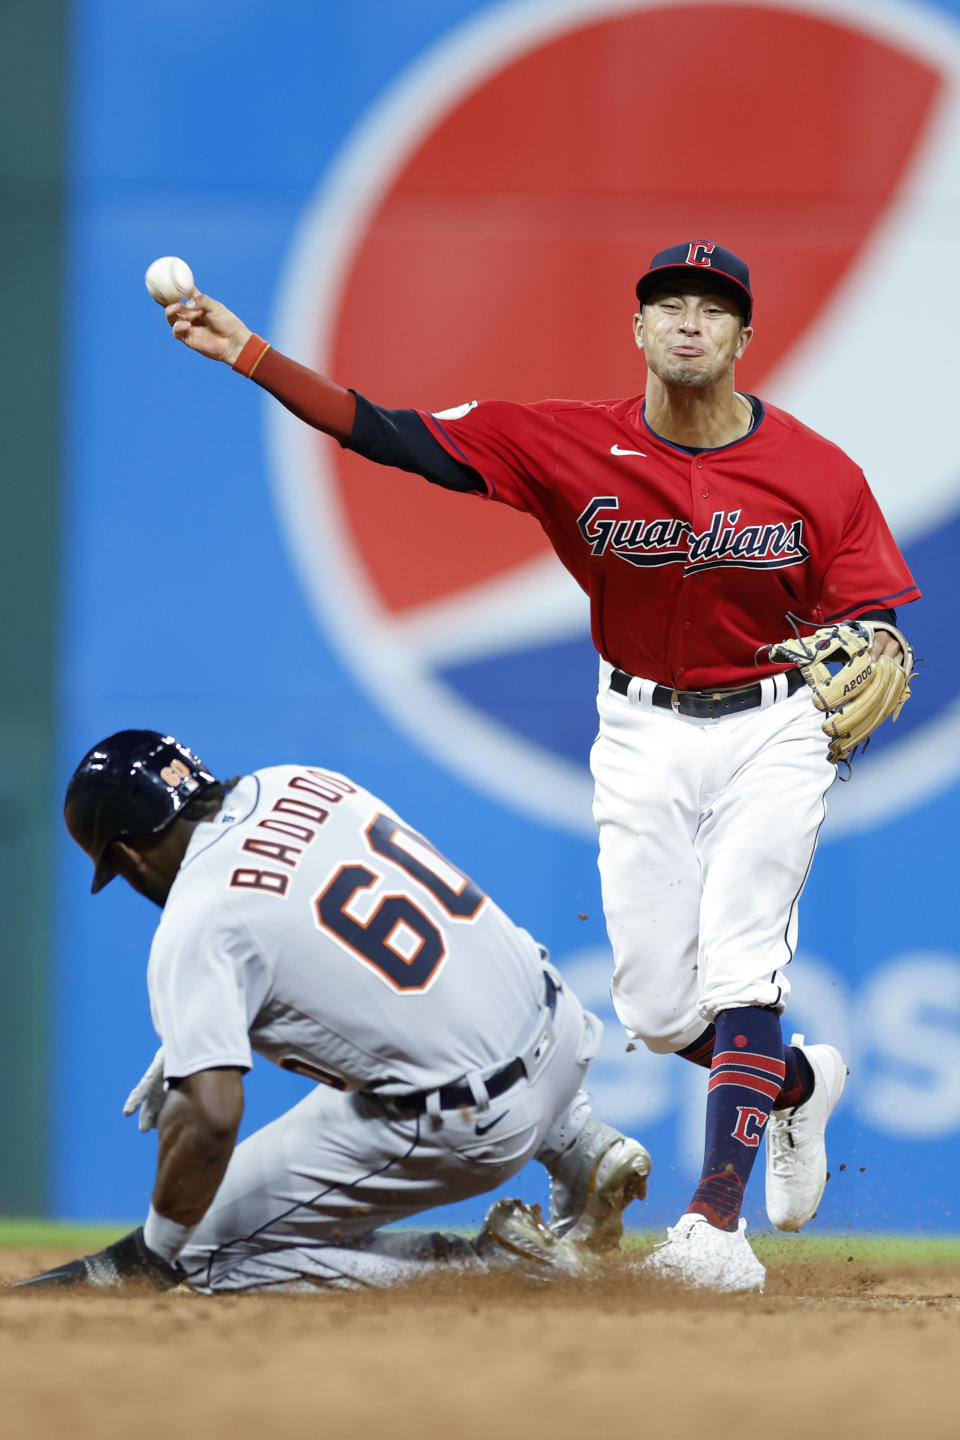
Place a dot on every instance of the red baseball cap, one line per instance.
(727, 269)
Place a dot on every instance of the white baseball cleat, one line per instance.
(698, 1256)
(594, 1182)
(796, 1152)
(514, 1237)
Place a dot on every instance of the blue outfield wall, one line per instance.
(446, 200)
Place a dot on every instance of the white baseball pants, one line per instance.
(302, 1199)
(707, 831)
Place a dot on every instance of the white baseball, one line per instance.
(169, 279)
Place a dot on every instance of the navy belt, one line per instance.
(452, 1097)
(704, 704)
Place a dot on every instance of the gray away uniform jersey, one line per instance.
(310, 924)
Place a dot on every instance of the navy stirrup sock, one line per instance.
(797, 1082)
(701, 1051)
(746, 1079)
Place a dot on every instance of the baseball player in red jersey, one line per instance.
(703, 524)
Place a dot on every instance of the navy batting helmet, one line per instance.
(133, 783)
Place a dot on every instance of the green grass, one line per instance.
(81, 1238)
(883, 1249)
(870, 1248)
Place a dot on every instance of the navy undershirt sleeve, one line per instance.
(879, 616)
(401, 439)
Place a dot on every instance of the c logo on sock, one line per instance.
(748, 1117)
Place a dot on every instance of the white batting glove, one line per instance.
(148, 1095)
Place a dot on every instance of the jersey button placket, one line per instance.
(678, 648)
(698, 478)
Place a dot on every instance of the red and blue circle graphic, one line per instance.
(480, 236)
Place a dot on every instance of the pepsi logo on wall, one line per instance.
(480, 236)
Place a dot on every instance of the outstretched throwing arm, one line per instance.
(204, 325)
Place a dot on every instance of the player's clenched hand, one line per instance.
(208, 327)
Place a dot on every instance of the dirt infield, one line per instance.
(833, 1348)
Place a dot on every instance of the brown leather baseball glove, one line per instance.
(861, 693)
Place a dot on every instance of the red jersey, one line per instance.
(691, 562)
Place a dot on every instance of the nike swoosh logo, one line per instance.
(615, 450)
(482, 1129)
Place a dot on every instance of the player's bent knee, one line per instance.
(661, 1031)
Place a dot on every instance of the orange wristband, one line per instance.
(250, 356)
